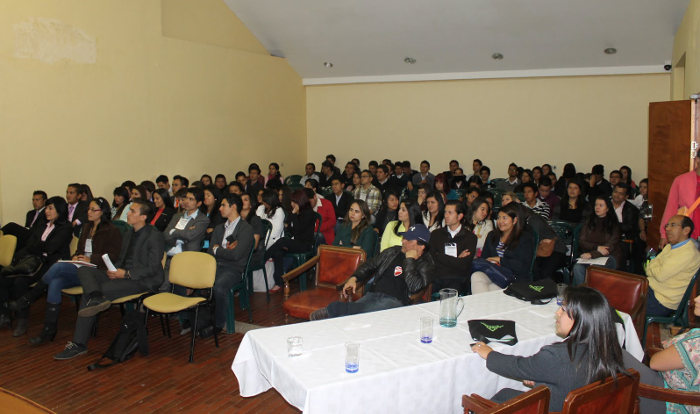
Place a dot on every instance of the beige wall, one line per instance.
(686, 54)
(94, 92)
(530, 121)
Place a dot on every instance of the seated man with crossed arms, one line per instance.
(398, 272)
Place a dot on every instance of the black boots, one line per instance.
(25, 300)
(50, 324)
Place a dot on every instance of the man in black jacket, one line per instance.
(453, 248)
(340, 199)
(398, 272)
(231, 244)
(138, 269)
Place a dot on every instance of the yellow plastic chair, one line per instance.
(192, 270)
(73, 246)
(8, 243)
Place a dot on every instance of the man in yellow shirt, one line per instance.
(670, 272)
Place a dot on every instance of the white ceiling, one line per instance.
(450, 39)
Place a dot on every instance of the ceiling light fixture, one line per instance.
(610, 51)
(409, 60)
(328, 64)
(497, 56)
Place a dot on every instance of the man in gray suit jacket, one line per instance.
(231, 243)
(138, 269)
(186, 229)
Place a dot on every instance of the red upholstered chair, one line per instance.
(535, 401)
(610, 396)
(334, 265)
(626, 292)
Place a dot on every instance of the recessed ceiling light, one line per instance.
(328, 64)
(610, 51)
(409, 60)
(497, 56)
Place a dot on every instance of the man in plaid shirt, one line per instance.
(368, 193)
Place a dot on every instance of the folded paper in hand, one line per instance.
(108, 263)
(600, 261)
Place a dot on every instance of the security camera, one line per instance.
(667, 67)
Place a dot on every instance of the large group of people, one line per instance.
(419, 229)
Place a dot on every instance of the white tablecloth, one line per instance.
(397, 372)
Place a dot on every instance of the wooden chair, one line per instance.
(192, 270)
(334, 265)
(609, 396)
(15, 403)
(626, 292)
(669, 395)
(535, 401)
(8, 244)
(680, 316)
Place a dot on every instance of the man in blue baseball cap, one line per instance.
(395, 274)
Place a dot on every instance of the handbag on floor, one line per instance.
(130, 338)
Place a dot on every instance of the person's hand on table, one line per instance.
(482, 349)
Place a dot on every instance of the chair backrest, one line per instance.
(336, 264)
(626, 292)
(8, 244)
(122, 226)
(15, 403)
(535, 401)
(292, 179)
(609, 396)
(194, 270)
(267, 231)
(73, 245)
(680, 316)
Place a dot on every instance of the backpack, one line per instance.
(130, 338)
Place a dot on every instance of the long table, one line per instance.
(397, 372)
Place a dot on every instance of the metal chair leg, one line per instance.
(194, 332)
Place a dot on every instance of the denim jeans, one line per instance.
(60, 276)
(370, 302)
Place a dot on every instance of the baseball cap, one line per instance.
(417, 232)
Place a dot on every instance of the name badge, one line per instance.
(182, 223)
(88, 247)
(451, 249)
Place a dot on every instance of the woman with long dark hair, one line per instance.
(600, 237)
(98, 237)
(434, 214)
(164, 209)
(301, 235)
(388, 211)
(562, 183)
(270, 209)
(408, 215)
(210, 207)
(507, 253)
(45, 246)
(356, 230)
(120, 203)
(590, 351)
(478, 221)
(572, 207)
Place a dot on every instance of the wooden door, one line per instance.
(672, 139)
